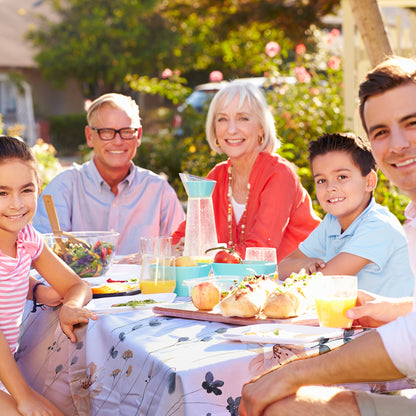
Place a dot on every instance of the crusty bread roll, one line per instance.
(284, 304)
(245, 301)
(265, 282)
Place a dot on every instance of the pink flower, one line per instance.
(334, 33)
(334, 63)
(167, 73)
(301, 48)
(302, 74)
(215, 76)
(314, 91)
(272, 49)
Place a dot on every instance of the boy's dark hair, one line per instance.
(358, 148)
(14, 148)
(391, 73)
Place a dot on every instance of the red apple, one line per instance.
(205, 296)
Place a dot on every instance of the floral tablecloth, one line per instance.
(138, 363)
(135, 363)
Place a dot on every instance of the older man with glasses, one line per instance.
(110, 192)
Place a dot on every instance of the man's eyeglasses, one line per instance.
(126, 133)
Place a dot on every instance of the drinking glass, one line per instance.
(333, 296)
(261, 254)
(156, 246)
(157, 274)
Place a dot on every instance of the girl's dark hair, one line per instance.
(14, 148)
(358, 148)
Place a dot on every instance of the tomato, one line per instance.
(227, 256)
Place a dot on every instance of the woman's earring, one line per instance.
(261, 139)
(217, 143)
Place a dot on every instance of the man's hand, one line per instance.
(267, 389)
(131, 259)
(373, 311)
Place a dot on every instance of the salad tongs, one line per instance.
(56, 229)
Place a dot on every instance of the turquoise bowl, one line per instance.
(240, 270)
(187, 273)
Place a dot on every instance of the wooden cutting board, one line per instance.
(187, 310)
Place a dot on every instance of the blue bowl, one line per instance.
(186, 273)
(240, 270)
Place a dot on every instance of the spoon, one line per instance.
(56, 229)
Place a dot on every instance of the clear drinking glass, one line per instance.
(333, 296)
(156, 246)
(268, 254)
(157, 274)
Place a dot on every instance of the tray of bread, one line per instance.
(257, 299)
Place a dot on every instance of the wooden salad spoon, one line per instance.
(56, 229)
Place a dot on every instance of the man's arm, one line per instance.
(373, 311)
(364, 359)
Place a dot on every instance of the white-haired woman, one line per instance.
(258, 200)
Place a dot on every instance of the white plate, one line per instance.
(105, 305)
(288, 334)
(116, 272)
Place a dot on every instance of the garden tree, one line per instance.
(229, 35)
(371, 27)
(98, 42)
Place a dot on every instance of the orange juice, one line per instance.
(161, 286)
(331, 312)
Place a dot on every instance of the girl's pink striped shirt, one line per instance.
(14, 282)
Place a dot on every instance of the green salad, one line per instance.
(91, 261)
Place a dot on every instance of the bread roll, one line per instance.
(284, 304)
(245, 301)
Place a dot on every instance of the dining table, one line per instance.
(145, 362)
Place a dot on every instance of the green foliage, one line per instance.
(388, 195)
(99, 42)
(67, 132)
(172, 88)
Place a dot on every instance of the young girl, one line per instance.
(20, 248)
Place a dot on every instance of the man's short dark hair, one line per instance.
(358, 148)
(391, 73)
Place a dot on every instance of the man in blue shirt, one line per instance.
(110, 192)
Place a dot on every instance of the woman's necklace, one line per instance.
(230, 208)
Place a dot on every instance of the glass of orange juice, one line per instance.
(333, 296)
(157, 274)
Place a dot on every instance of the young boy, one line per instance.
(357, 236)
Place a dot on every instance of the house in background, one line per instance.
(25, 97)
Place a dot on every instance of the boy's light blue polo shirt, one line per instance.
(377, 235)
